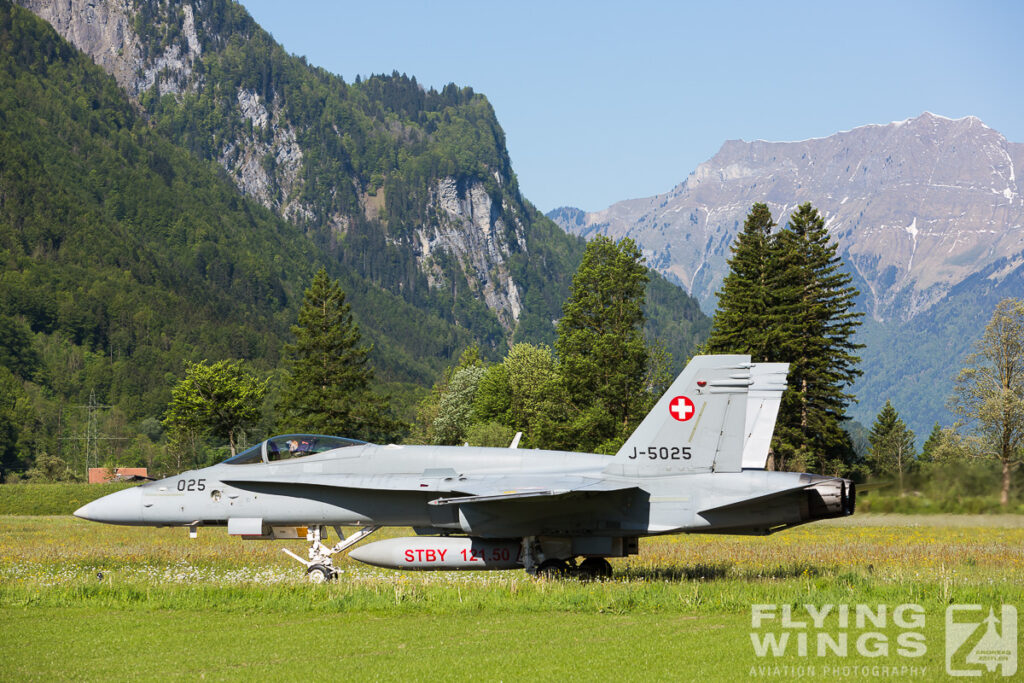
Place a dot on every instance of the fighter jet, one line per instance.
(696, 464)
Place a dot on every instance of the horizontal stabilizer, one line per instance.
(758, 500)
(816, 497)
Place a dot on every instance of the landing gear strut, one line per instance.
(320, 567)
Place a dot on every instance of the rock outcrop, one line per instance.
(471, 228)
(264, 155)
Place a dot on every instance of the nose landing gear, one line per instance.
(320, 568)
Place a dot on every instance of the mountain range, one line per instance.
(928, 215)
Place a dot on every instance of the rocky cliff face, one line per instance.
(916, 207)
(265, 153)
(471, 228)
(104, 30)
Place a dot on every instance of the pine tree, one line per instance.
(742, 320)
(785, 299)
(327, 389)
(601, 350)
(812, 324)
(892, 445)
(932, 444)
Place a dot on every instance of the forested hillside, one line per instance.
(130, 244)
(125, 254)
(412, 188)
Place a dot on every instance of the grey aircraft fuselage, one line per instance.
(394, 486)
(695, 464)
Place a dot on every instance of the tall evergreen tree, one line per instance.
(742, 322)
(813, 325)
(601, 350)
(786, 299)
(892, 445)
(327, 389)
(932, 444)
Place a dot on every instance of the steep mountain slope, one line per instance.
(928, 214)
(410, 188)
(132, 241)
(127, 254)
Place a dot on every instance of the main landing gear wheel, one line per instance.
(553, 569)
(319, 573)
(596, 568)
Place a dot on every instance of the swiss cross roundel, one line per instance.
(681, 408)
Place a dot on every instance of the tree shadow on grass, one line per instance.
(718, 571)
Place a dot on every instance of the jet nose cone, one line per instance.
(123, 507)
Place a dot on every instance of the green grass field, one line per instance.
(219, 608)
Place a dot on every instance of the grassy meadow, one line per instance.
(219, 607)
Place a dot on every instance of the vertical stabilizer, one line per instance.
(698, 425)
(763, 400)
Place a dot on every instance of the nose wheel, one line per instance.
(319, 573)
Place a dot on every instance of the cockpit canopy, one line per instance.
(290, 446)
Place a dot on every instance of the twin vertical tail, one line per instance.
(718, 416)
(763, 399)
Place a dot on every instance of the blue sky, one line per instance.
(605, 101)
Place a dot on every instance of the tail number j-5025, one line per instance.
(662, 453)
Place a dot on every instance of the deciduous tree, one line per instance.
(220, 400)
(988, 397)
(455, 410)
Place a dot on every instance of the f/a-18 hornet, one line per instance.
(696, 464)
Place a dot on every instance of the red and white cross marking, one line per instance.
(681, 408)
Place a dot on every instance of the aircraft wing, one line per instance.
(468, 489)
(518, 488)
